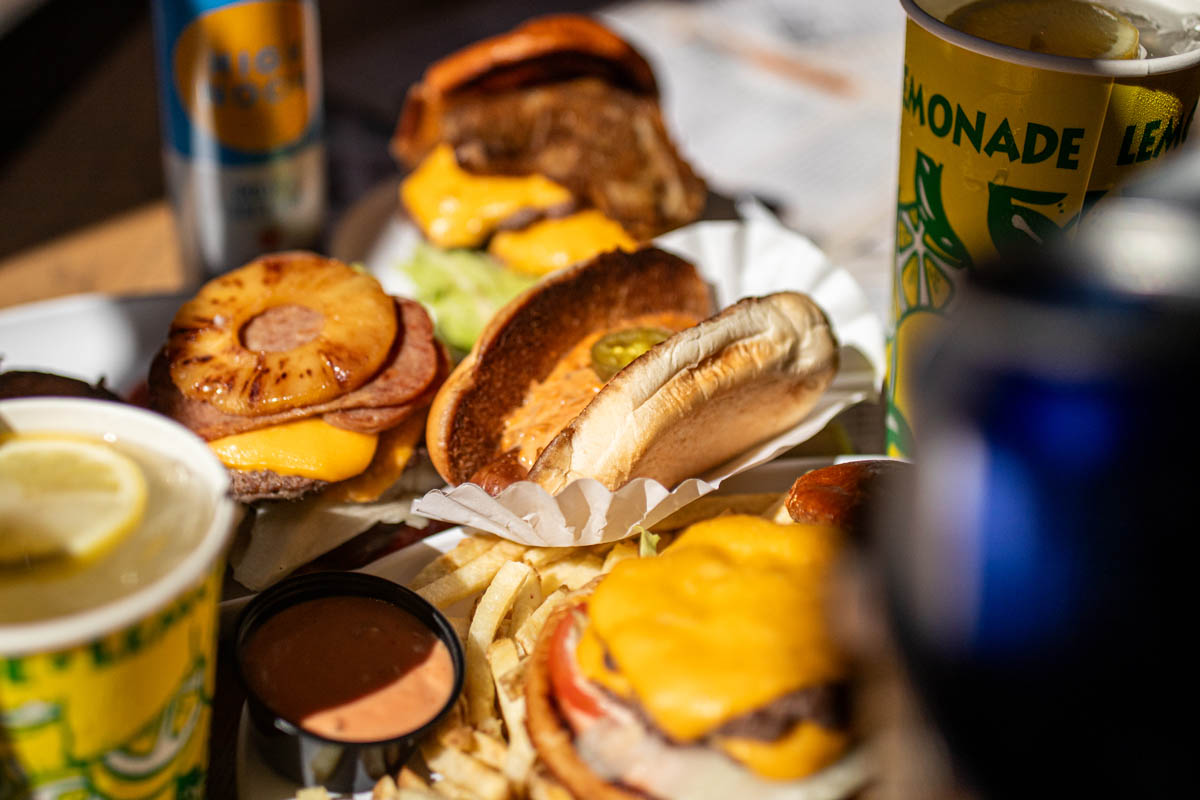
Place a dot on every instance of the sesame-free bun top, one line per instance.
(542, 50)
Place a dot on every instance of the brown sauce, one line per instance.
(553, 402)
(354, 669)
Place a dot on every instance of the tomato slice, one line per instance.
(569, 685)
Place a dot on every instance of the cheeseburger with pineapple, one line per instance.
(303, 375)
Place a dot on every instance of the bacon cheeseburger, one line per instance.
(302, 375)
(614, 369)
(705, 673)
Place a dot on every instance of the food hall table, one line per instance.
(794, 103)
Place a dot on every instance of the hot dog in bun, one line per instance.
(614, 369)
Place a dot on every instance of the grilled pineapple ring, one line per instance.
(210, 361)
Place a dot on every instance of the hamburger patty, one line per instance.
(606, 144)
(826, 705)
(263, 484)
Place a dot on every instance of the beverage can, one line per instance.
(1002, 148)
(1035, 572)
(241, 106)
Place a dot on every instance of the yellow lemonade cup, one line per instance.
(114, 701)
(1001, 148)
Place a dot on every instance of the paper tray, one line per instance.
(740, 259)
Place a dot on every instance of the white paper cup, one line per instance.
(115, 700)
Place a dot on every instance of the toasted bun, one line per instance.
(700, 397)
(542, 50)
(840, 495)
(525, 339)
(549, 732)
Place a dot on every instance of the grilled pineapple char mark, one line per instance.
(210, 360)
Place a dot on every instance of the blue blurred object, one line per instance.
(1039, 590)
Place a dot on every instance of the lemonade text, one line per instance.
(1032, 145)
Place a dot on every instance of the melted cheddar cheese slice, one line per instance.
(552, 244)
(590, 655)
(395, 450)
(727, 619)
(455, 208)
(806, 749)
(310, 448)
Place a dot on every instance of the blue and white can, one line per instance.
(241, 105)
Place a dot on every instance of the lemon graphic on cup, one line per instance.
(1056, 27)
(929, 254)
(64, 497)
(921, 329)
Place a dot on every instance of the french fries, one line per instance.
(626, 548)
(573, 572)
(528, 633)
(387, 789)
(528, 600)
(490, 749)
(472, 577)
(464, 771)
(496, 602)
(447, 562)
(504, 661)
(543, 787)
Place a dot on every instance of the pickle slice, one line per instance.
(613, 351)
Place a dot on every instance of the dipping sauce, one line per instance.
(349, 668)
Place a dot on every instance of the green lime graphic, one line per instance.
(1013, 225)
(145, 759)
(928, 253)
(190, 785)
(927, 249)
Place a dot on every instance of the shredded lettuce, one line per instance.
(463, 289)
(647, 542)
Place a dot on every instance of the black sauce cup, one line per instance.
(303, 756)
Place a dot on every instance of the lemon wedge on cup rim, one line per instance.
(1074, 28)
(64, 497)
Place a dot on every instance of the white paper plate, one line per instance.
(88, 336)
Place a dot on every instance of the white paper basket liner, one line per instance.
(740, 259)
